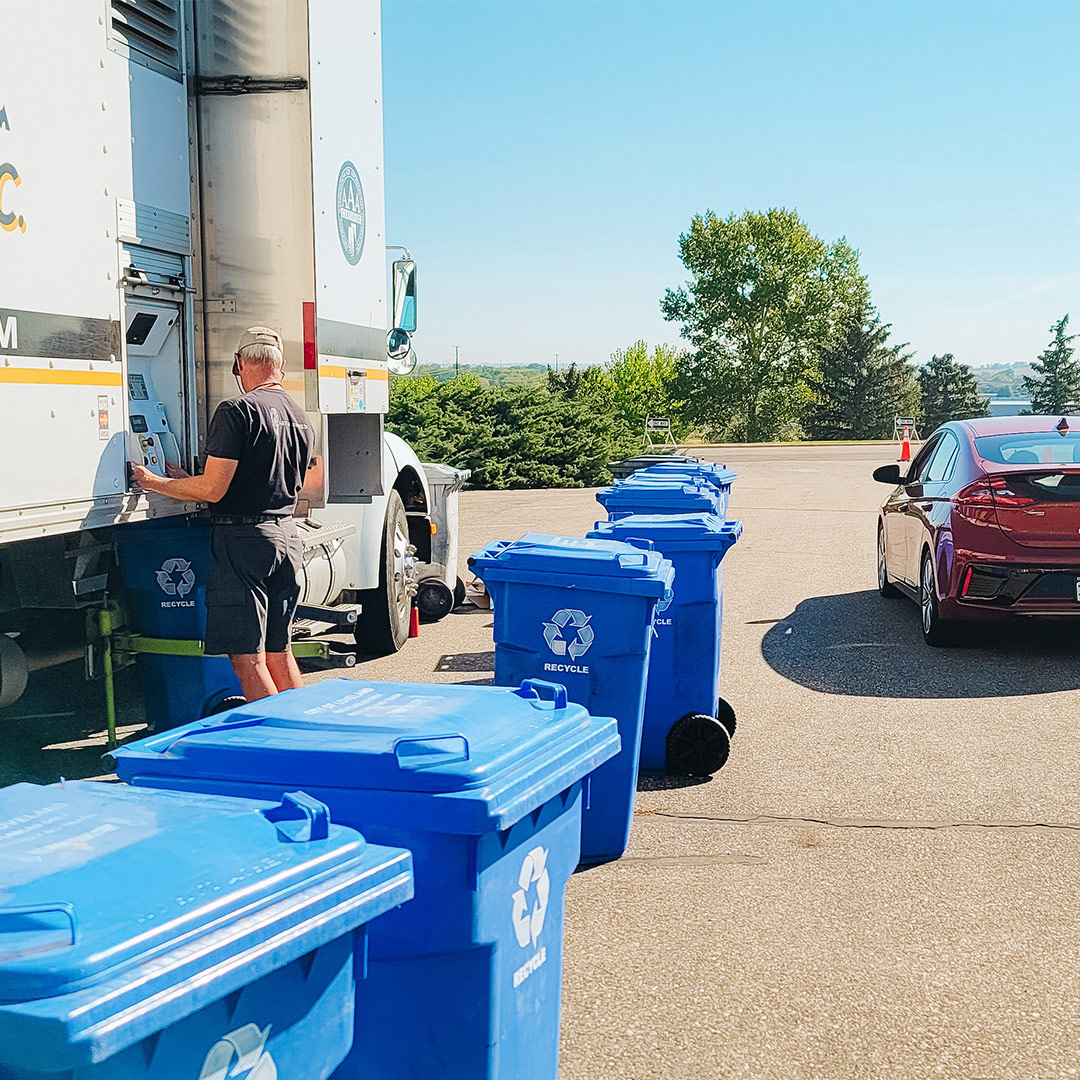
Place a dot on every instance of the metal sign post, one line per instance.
(902, 422)
(658, 433)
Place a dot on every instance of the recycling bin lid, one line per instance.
(99, 879)
(446, 475)
(672, 531)
(687, 496)
(607, 565)
(721, 474)
(510, 750)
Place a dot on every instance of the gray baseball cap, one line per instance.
(261, 335)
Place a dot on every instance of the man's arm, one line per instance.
(209, 487)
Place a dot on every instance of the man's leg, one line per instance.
(254, 675)
(283, 670)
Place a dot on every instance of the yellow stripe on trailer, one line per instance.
(60, 376)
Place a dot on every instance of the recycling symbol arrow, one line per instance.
(240, 1055)
(529, 921)
(168, 582)
(578, 621)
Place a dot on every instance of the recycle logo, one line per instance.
(169, 583)
(528, 922)
(576, 620)
(240, 1055)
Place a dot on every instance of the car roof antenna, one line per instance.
(1062, 427)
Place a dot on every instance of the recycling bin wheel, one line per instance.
(434, 599)
(459, 593)
(726, 715)
(231, 702)
(697, 745)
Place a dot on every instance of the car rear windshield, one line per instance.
(1031, 448)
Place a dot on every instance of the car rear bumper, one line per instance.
(1017, 590)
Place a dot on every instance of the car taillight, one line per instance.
(992, 491)
(1005, 496)
(977, 494)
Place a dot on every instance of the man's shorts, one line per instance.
(252, 588)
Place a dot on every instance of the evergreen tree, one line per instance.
(861, 384)
(949, 392)
(1055, 386)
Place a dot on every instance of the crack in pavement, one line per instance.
(861, 823)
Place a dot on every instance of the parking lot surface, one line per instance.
(882, 880)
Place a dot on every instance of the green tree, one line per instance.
(861, 384)
(949, 392)
(509, 436)
(1055, 386)
(764, 299)
(642, 384)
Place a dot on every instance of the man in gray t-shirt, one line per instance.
(258, 450)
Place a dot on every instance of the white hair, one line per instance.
(263, 355)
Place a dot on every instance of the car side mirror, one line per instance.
(889, 474)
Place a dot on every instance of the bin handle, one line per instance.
(542, 690)
(299, 818)
(427, 751)
(60, 907)
(639, 542)
(206, 726)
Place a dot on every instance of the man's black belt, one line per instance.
(254, 519)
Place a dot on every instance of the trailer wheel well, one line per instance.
(409, 486)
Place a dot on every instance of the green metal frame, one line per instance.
(120, 646)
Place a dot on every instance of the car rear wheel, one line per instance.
(885, 587)
(935, 630)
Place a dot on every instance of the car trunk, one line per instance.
(1039, 509)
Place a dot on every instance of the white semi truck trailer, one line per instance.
(172, 172)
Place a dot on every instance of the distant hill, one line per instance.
(1002, 380)
(488, 374)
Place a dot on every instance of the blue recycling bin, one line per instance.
(163, 570)
(701, 472)
(661, 496)
(150, 935)
(687, 726)
(484, 786)
(581, 611)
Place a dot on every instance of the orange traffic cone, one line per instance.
(905, 445)
(414, 622)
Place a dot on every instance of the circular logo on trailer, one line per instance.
(176, 578)
(569, 633)
(240, 1055)
(531, 897)
(351, 218)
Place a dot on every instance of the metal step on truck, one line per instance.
(171, 173)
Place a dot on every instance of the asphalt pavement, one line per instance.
(882, 880)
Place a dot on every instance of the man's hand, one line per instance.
(145, 478)
(210, 487)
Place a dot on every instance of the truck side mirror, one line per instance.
(404, 280)
(399, 352)
(888, 474)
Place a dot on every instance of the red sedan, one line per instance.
(986, 522)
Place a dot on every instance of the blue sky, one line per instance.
(542, 159)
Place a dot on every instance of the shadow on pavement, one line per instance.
(467, 661)
(57, 728)
(862, 644)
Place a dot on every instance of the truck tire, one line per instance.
(383, 625)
